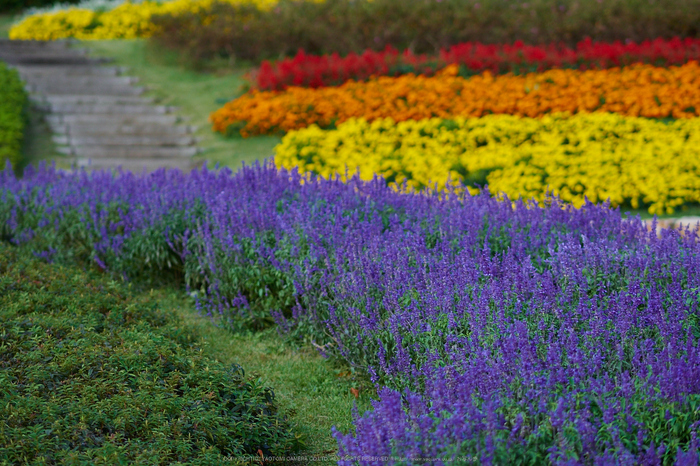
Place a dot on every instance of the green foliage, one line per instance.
(93, 375)
(19, 5)
(13, 104)
(344, 26)
(667, 423)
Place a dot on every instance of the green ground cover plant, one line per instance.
(19, 5)
(13, 106)
(314, 392)
(93, 374)
(345, 26)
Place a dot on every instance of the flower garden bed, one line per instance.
(407, 227)
(305, 70)
(505, 333)
(633, 162)
(639, 90)
(125, 21)
(509, 131)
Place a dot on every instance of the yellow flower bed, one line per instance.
(127, 21)
(630, 160)
(640, 90)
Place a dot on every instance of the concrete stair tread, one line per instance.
(99, 81)
(128, 152)
(97, 113)
(31, 50)
(93, 90)
(115, 119)
(67, 70)
(76, 99)
(121, 140)
(153, 129)
(106, 109)
(51, 60)
(49, 43)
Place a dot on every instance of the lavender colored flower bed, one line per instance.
(496, 333)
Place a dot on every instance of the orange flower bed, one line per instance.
(639, 90)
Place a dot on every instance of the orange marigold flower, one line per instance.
(640, 90)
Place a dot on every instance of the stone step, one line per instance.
(160, 140)
(82, 81)
(32, 50)
(90, 99)
(106, 109)
(42, 50)
(146, 129)
(137, 166)
(113, 120)
(97, 111)
(85, 90)
(50, 59)
(29, 71)
(98, 152)
(38, 43)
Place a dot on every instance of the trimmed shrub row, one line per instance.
(100, 21)
(19, 5)
(13, 103)
(90, 374)
(421, 26)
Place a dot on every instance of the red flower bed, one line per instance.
(329, 70)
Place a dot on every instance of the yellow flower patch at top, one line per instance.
(640, 90)
(127, 21)
(629, 160)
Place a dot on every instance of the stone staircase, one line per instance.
(98, 114)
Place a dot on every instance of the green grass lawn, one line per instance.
(196, 94)
(315, 393)
(5, 23)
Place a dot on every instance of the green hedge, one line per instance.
(90, 374)
(346, 26)
(13, 103)
(19, 5)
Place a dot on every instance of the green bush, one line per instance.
(90, 374)
(346, 26)
(13, 103)
(19, 5)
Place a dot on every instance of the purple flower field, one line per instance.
(496, 332)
